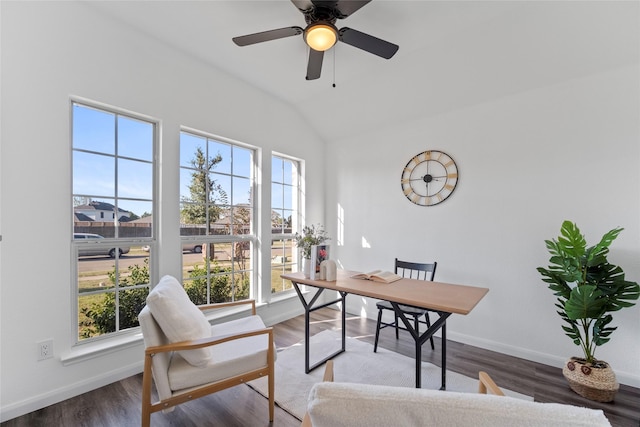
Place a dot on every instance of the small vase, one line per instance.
(306, 267)
(595, 382)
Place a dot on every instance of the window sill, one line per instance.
(83, 352)
(285, 296)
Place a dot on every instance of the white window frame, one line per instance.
(252, 237)
(117, 241)
(297, 216)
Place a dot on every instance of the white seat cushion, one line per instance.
(179, 318)
(361, 405)
(229, 359)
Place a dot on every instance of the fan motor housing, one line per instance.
(324, 14)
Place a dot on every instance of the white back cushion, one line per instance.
(361, 405)
(179, 318)
(153, 336)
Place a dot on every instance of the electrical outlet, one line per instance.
(45, 349)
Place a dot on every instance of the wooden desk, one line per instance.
(442, 298)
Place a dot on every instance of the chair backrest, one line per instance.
(415, 270)
(332, 404)
(153, 336)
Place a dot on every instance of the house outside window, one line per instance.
(217, 217)
(113, 177)
(285, 219)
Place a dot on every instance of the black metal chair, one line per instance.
(410, 270)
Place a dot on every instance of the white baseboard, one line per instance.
(51, 397)
(535, 356)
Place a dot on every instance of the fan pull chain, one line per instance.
(334, 67)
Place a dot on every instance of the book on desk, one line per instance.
(378, 276)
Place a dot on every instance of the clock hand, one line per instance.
(427, 179)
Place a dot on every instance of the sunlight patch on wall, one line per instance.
(340, 226)
(365, 243)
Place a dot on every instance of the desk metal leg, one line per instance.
(421, 339)
(444, 356)
(308, 308)
(418, 364)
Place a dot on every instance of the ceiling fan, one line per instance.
(321, 33)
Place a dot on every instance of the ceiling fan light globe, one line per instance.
(320, 37)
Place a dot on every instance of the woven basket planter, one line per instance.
(595, 382)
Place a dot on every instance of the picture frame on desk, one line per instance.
(319, 253)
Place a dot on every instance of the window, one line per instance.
(217, 218)
(285, 197)
(113, 170)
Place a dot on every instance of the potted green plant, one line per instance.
(311, 235)
(588, 289)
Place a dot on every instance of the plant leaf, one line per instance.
(556, 282)
(585, 302)
(627, 291)
(571, 242)
(601, 332)
(598, 253)
(572, 331)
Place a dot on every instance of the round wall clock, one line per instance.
(429, 178)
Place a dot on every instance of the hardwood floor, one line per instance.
(118, 404)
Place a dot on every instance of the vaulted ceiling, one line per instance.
(453, 54)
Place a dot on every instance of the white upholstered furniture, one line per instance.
(188, 358)
(360, 405)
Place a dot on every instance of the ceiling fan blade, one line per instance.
(266, 36)
(315, 64)
(368, 43)
(346, 8)
(303, 5)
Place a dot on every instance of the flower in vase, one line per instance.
(311, 235)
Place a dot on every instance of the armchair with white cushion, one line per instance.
(189, 358)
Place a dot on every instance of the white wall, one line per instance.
(54, 50)
(527, 162)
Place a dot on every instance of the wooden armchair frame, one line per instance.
(328, 376)
(487, 385)
(194, 393)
